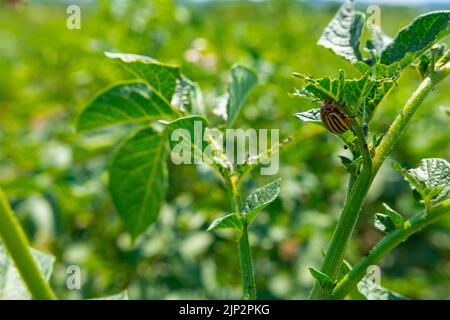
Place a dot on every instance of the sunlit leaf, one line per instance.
(260, 199)
(127, 102)
(312, 115)
(431, 179)
(160, 76)
(343, 32)
(416, 37)
(230, 221)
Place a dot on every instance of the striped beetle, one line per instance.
(333, 118)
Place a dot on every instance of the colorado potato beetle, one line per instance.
(333, 119)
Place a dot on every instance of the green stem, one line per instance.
(245, 255)
(248, 275)
(16, 243)
(390, 242)
(347, 222)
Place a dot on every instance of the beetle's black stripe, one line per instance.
(338, 122)
(326, 123)
(332, 126)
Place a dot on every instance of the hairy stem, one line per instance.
(17, 245)
(390, 242)
(347, 222)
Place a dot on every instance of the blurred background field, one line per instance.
(56, 179)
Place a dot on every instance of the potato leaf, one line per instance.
(230, 221)
(343, 32)
(137, 179)
(431, 179)
(126, 102)
(324, 280)
(242, 81)
(418, 36)
(260, 199)
(160, 76)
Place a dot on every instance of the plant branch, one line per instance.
(347, 222)
(245, 255)
(386, 245)
(17, 245)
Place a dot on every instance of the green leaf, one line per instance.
(384, 223)
(325, 281)
(373, 291)
(352, 166)
(11, 284)
(127, 102)
(242, 81)
(260, 199)
(160, 76)
(418, 36)
(230, 221)
(365, 93)
(137, 179)
(396, 218)
(343, 32)
(312, 115)
(389, 220)
(182, 97)
(188, 96)
(431, 179)
(187, 135)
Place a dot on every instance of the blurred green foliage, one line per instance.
(57, 182)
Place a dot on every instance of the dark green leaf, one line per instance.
(230, 221)
(396, 218)
(260, 199)
(418, 36)
(137, 179)
(127, 102)
(242, 81)
(160, 76)
(343, 32)
(384, 223)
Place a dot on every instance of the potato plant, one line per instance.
(418, 45)
(163, 110)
